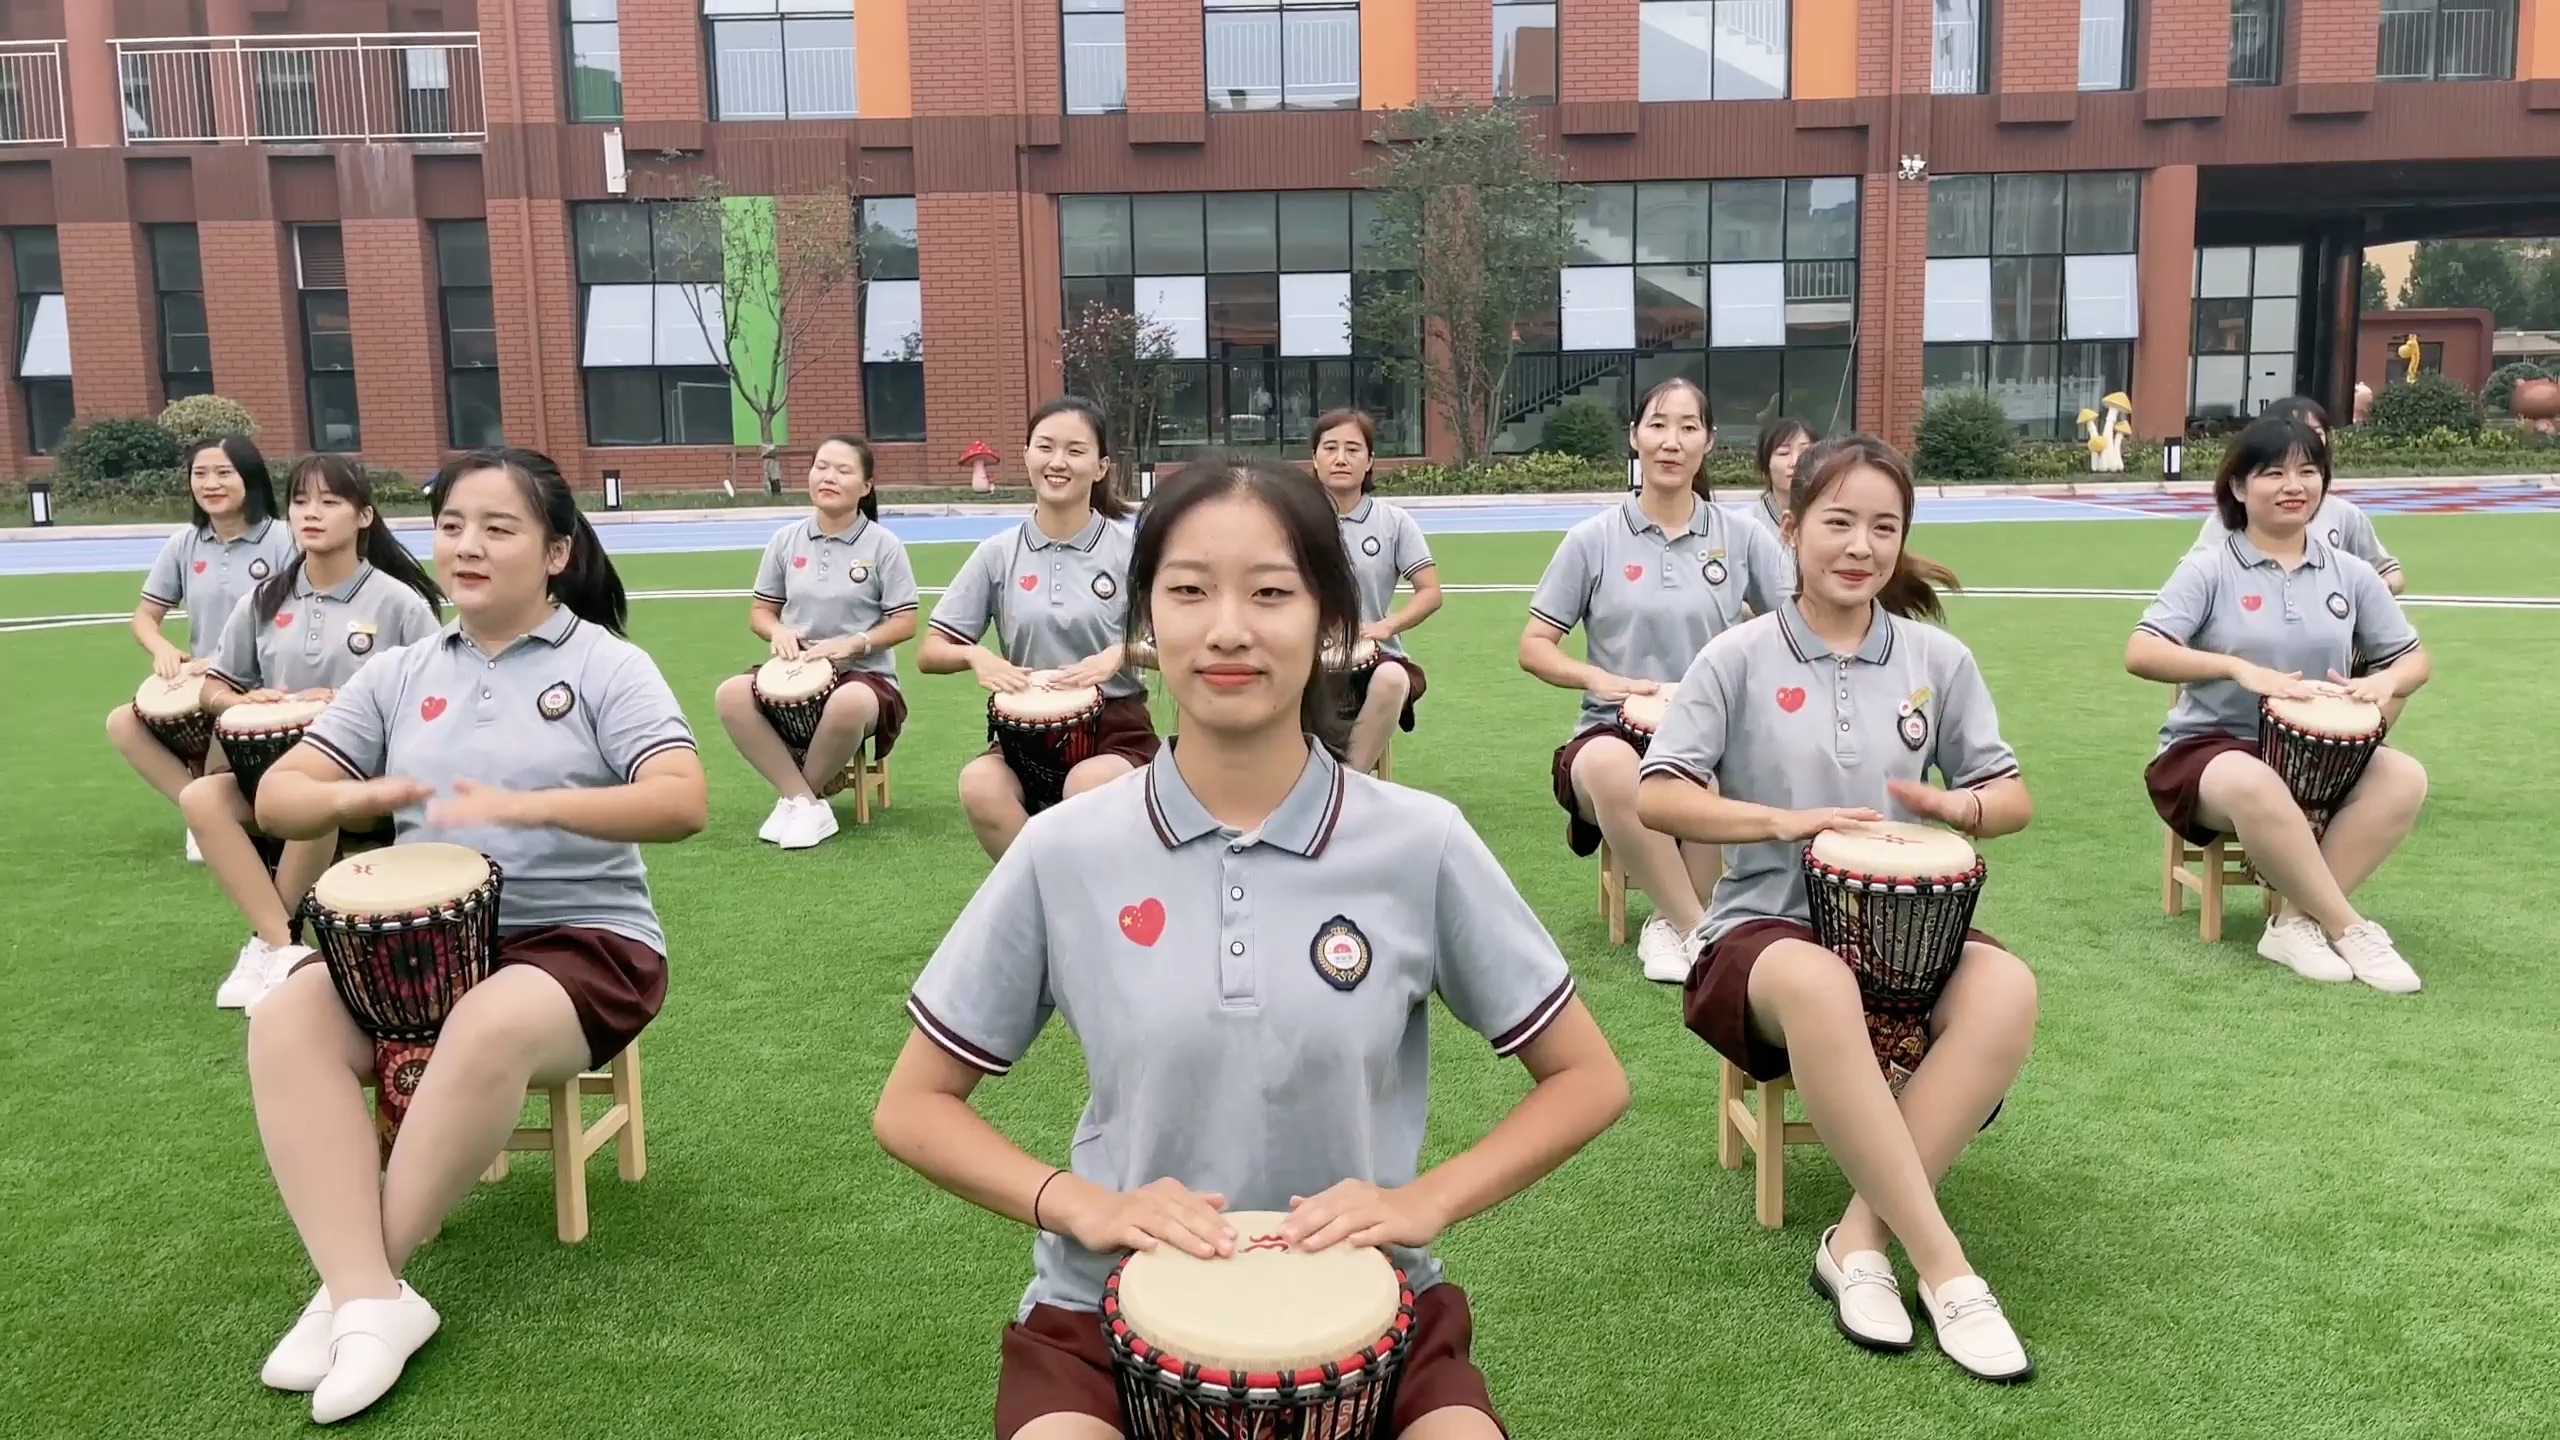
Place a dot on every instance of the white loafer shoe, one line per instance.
(1973, 1332)
(370, 1342)
(1866, 1300)
(300, 1360)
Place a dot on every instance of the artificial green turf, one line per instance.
(2222, 1202)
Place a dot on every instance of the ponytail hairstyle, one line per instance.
(869, 504)
(1911, 591)
(1306, 516)
(1359, 420)
(2302, 408)
(588, 584)
(258, 489)
(1706, 416)
(1106, 496)
(1777, 433)
(375, 544)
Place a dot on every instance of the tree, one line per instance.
(1472, 224)
(1117, 360)
(2542, 302)
(2375, 292)
(784, 263)
(2459, 274)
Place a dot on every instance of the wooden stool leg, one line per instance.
(2209, 925)
(1769, 1198)
(1728, 1134)
(631, 1153)
(2171, 900)
(861, 789)
(882, 765)
(1613, 895)
(497, 1170)
(568, 1165)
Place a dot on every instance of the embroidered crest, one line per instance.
(1104, 587)
(2337, 604)
(859, 572)
(1915, 729)
(258, 569)
(359, 639)
(1713, 570)
(2334, 537)
(556, 701)
(1369, 545)
(1340, 953)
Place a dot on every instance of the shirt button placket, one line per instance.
(1846, 747)
(1235, 930)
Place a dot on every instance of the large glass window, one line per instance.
(186, 342)
(2447, 40)
(1959, 47)
(2031, 291)
(1712, 50)
(650, 324)
(2248, 329)
(780, 59)
(1524, 51)
(474, 416)
(1282, 54)
(2106, 45)
(892, 320)
(1093, 35)
(1255, 291)
(328, 338)
(595, 59)
(43, 353)
(2257, 42)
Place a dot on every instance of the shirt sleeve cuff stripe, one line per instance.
(2384, 662)
(768, 599)
(907, 609)
(2386, 566)
(227, 678)
(1539, 1018)
(950, 634)
(1417, 567)
(1977, 782)
(169, 601)
(2147, 628)
(336, 755)
(1546, 619)
(1664, 765)
(682, 742)
(950, 1040)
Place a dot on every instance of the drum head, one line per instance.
(1037, 706)
(788, 680)
(1361, 655)
(262, 717)
(402, 878)
(1645, 712)
(1894, 850)
(1268, 1308)
(2333, 715)
(170, 699)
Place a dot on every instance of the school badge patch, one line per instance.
(2338, 604)
(1104, 587)
(257, 569)
(1713, 570)
(1369, 545)
(359, 639)
(1912, 720)
(2334, 538)
(556, 701)
(859, 572)
(1341, 954)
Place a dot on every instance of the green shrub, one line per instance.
(1586, 430)
(2498, 394)
(73, 486)
(1965, 436)
(112, 447)
(392, 492)
(193, 419)
(2431, 402)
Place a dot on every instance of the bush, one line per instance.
(1586, 430)
(392, 492)
(1965, 436)
(112, 447)
(2431, 402)
(73, 486)
(2499, 393)
(194, 419)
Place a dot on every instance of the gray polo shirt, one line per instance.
(1648, 601)
(1052, 602)
(1771, 716)
(831, 586)
(1385, 546)
(320, 637)
(570, 706)
(2232, 600)
(1253, 1009)
(206, 577)
(2337, 521)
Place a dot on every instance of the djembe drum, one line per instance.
(256, 733)
(2320, 747)
(1355, 668)
(1894, 901)
(405, 931)
(792, 695)
(1639, 716)
(1270, 1343)
(173, 711)
(1043, 734)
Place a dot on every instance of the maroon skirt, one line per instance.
(2176, 774)
(1581, 836)
(1715, 1002)
(1416, 684)
(615, 983)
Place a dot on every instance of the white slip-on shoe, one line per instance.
(280, 962)
(775, 824)
(300, 1360)
(1664, 951)
(2369, 953)
(814, 822)
(2295, 942)
(370, 1342)
(1865, 1299)
(247, 980)
(194, 855)
(1973, 1332)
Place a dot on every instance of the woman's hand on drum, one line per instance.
(1160, 1212)
(1378, 632)
(169, 662)
(1092, 671)
(2274, 684)
(378, 799)
(473, 803)
(321, 693)
(1613, 688)
(1948, 807)
(840, 648)
(263, 695)
(2375, 689)
(998, 674)
(1805, 824)
(785, 642)
(1356, 1212)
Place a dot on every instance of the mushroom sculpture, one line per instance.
(2108, 430)
(978, 457)
(2409, 351)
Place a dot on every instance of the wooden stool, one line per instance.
(567, 1134)
(1613, 895)
(868, 779)
(2220, 864)
(1764, 1130)
(1385, 769)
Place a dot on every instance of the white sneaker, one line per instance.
(1664, 951)
(812, 821)
(194, 855)
(2295, 942)
(1973, 1332)
(370, 1342)
(1866, 1300)
(247, 980)
(300, 1360)
(280, 962)
(778, 822)
(2368, 952)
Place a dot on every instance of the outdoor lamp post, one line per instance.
(613, 489)
(1635, 473)
(1147, 481)
(40, 502)
(2170, 456)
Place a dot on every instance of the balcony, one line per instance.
(31, 92)
(2447, 40)
(301, 87)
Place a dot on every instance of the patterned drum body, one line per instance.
(173, 711)
(1043, 734)
(1355, 670)
(1270, 1343)
(1639, 716)
(793, 695)
(1894, 902)
(255, 734)
(2320, 747)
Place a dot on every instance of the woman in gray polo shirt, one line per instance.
(232, 543)
(1245, 939)
(1830, 712)
(2275, 610)
(1385, 546)
(1782, 444)
(531, 731)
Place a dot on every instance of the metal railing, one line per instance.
(1097, 78)
(2102, 51)
(800, 82)
(1955, 51)
(1267, 59)
(302, 87)
(2257, 33)
(2447, 40)
(31, 102)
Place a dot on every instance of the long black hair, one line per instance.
(258, 498)
(1698, 483)
(869, 504)
(375, 544)
(1776, 433)
(588, 585)
(1912, 590)
(1306, 516)
(1106, 492)
(2267, 443)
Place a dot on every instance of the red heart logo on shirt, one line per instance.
(1030, 583)
(2250, 603)
(1143, 922)
(1791, 698)
(199, 567)
(431, 707)
(1635, 572)
(799, 562)
(284, 619)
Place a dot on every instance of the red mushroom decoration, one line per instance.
(978, 457)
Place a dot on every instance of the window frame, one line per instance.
(1980, 73)
(1218, 102)
(2029, 246)
(58, 395)
(2128, 31)
(2505, 19)
(1118, 10)
(1787, 42)
(672, 378)
(572, 27)
(457, 373)
(2273, 13)
(174, 382)
(1555, 68)
(787, 17)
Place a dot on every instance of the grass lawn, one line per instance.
(2222, 1202)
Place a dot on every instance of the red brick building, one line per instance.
(397, 225)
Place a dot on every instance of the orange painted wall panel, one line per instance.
(2538, 40)
(881, 90)
(1825, 46)
(1390, 71)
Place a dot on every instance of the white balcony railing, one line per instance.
(302, 87)
(802, 82)
(31, 108)
(2102, 64)
(1955, 50)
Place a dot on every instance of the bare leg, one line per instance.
(301, 867)
(1803, 997)
(842, 727)
(2378, 815)
(143, 751)
(735, 703)
(1982, 1028)
(510, 1030)
(306, 1058)
(1095, 773)
(1604, 786)
(2239, 794)
(1388, 688)
(1066, 1427)
(220, 820)
(1705, 864)
(992, 798)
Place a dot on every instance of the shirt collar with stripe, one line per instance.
(1301, 824)
(1875, 649)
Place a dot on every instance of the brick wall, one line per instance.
(2037, 45)
(2333, 41)
(1892, 292)
(938, 31)
(256, 318)
(14, 460)
(544, 406)
(826, 371)
(1876, 21)
(2186, 44)
(1596, 49)
(399, 338)
(969, 255)
(1454, 49)
(106, 290)
(521, 65)
(1165, 62)
(662, 54)
(2166, 265)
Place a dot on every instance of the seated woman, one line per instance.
(1385, 546)
(2275, 610)
(1782, 445)
(1826, 714)
(2338, 520)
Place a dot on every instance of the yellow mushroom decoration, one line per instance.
(2409, 351)
(2108, 432)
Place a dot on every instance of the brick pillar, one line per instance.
(522, 66)
(662, 60)
(969, 255)
(2186, 44)
(825, 393)
(13, 418)
(89, 74)
(2037, 45)
(2165, 265)
(1893, 275)
(399, 334)
(1455, 50)
(1876, 22)
(1166, 69)
(106, 292)
(2334, 42)
(255, 313)
(1597, 48)
(545, 408)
